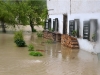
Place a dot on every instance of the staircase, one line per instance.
(69, 41)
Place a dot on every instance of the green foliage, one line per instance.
(18, 35)
(94, 37)
(20, 43)
(36, 53)
(49, 41)
(23, 12)
(30, 47)
(50, 29)
(74, 33)
(18, 39)
(39, 34)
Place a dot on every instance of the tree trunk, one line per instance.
(3, 27)
(32, 26)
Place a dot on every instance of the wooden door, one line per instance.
(64, 24)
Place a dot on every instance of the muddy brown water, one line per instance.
(56, 59)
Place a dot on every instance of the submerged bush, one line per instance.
(20, 43)
(18, 39)
(30, 47)
(39, 34)
(49, 41)
(18, 35)
(35, 53)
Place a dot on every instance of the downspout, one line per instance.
(70, 7)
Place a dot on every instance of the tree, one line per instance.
(32, 11)
(22, 12)
(6, 15)
(37, 9)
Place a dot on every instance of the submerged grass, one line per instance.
(35, 53)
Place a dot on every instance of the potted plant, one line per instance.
(94, 37)
(74, 33)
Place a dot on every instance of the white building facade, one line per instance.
(84, 10)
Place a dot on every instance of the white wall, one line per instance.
(84, 44)
(76, 6)
(60, 21)
(85, 6)
(58, 6)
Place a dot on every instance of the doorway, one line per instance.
(64, 24)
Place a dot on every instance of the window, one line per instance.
(76, 21)
(46, 24)
(90, 30)
(56, 24)
(93, 29)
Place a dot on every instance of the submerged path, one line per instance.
(57, 60)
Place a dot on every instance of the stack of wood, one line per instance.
(57, 36)
(52, 36)
(69, 41)
(48, 35)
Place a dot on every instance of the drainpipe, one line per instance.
(70, 7)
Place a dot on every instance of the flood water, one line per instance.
(56, 59)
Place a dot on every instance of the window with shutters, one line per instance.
(55, 25)
(76, 22)
(74, 27)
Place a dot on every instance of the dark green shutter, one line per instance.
(86, 30)
(45, 25)
(56, 24)
(49, 23)
(71, 26)
(96, 28)
(53, 24)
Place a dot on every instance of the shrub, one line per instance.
(35, 53)
(20, 43)
(49, 41)
(30, 47)
(18, 35)
(18, 39)
(50, 29)
(39, 34)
